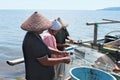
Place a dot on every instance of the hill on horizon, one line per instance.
(111, 8)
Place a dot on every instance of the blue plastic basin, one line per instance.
(86, 73)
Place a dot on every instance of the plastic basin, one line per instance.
(86, 73)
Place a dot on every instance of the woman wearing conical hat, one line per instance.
(38, 62)
(62, 35)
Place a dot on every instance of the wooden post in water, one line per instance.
(95, 34)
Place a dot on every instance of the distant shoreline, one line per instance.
(111, 8)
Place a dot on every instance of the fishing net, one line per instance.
(89, 57)
(104, 63)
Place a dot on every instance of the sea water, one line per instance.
(11, 35)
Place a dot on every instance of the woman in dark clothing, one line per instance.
(38, 62)
(33, 48)
(62, 35)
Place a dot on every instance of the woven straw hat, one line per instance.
(36, 22)
(63, 22)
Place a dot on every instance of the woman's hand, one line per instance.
(64, 53)
(66, 60)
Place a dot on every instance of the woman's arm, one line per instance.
(53, 61)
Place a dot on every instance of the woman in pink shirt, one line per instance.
(48, 37)
(50, 41)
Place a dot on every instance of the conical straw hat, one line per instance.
(36, 22)
(63, 22)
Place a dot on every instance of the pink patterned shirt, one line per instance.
(49, 40)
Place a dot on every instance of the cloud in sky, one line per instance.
(58, 4)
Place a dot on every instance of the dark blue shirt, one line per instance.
(60, 38)
(33, 48)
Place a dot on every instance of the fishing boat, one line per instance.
(102, 53)
(110, 43)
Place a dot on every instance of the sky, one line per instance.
(59, 4)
